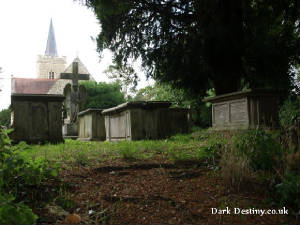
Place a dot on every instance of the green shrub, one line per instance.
(15, 213)
(289, 190)
(263, 151)
(289, 112)
(204, 117)
(102, 95)
(19, 176)
(213, 151)
(5, 117)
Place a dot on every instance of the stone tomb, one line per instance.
(91, 125)
(144, 120)
(37, 118)
(244, 109)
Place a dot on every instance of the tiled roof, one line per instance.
(31, 85)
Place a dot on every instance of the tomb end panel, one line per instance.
(221, 114)
(118, 126)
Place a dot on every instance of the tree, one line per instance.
(124, 74)
(163, 92)
(203, 44)
(5, 117)
(103, 95)
(201, 115)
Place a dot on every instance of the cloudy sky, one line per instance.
(24, 29)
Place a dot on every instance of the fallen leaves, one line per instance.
(148, 194)
(73, 219)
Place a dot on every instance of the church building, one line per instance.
(50, 66)
(37, 103)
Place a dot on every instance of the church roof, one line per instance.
(32, 85)
(81, 68)
(39, 86)
(51, 43)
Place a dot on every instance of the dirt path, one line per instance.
(158, 193)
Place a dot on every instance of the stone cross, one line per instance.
(74, 76)
(78, 94)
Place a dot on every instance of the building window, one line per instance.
(51, 75)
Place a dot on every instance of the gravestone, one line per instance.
(244, 109)
(75, 99)
(91, 125)
(144, 120)
(37, 118)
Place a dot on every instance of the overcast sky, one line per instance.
(24, 26)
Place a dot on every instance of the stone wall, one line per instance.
(45, 64)
(37, 118)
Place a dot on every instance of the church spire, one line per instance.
(51, 43)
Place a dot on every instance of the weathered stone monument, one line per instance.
(244, 109)
(75, 99)
(37, 118)
(91, 125)
(144, 120)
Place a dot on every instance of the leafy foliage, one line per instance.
(5, 117)
(103, 95)
(263, 151)
(163, 92)
(289, 189)
(15, 213)
(125, 75)
(17, 177)
(203, 44)
(289, 112)
(201, 113)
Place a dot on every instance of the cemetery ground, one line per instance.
(173, 181)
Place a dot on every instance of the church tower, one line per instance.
(50, 65)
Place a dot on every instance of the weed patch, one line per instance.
(236, 170)
(20, 180)
(128, 151)
(261, 149)
(288, 191)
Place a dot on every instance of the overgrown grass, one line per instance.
(259, 158)
(72, 152)
(245, 157)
